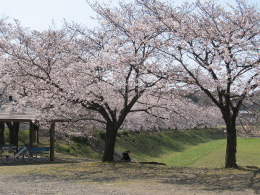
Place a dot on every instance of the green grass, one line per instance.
(212, 154)
(201, 155)
(169, 147)
(248, 151)
(77, 147)
(185, 148)
(189, 148)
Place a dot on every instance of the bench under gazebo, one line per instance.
(8, 115)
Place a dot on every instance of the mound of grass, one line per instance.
(184, 148)
(78, 146)
(188, 148)
(165, 145)
(210, 154)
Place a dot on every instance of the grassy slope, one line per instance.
(248, 151)
(192, 148)
(174, 148)
(189, 148)
(77, 147)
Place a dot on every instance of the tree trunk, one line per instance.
(14, 130)
(11, 130)
(111, 132)
(231, 145)
(2, 133)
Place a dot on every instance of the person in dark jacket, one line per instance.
(126, 156)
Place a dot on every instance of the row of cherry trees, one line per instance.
(102, 75)
(132, 71)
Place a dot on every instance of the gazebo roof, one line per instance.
(7, 113)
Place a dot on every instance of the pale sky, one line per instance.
(40, 14)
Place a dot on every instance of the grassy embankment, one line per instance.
(189, 148)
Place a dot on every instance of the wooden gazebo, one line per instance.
(7, 114)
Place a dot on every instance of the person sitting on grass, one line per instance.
(126, 157)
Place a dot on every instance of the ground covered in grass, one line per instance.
(194, 165)
(174, 148)
(188, 148)
(70, 175)
(202, 148)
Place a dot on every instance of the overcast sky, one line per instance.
(40, 14)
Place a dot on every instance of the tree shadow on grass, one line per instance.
(219, 180)
(61, 159)
(211, 180)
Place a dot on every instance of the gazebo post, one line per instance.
(52, 140)
(31, 135)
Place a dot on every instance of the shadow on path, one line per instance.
(84, 170)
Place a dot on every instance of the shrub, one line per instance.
(102, 135)
(23, 135)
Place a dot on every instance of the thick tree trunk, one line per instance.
(231, 145)
(11, 130)
(14, 130)
(2, 133)
(111, 132)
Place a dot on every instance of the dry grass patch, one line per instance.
(116, 174)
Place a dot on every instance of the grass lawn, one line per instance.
(212, 154)
(195, 160)
(248, 151)
(203, 148)
(191, 148)
(73, 176)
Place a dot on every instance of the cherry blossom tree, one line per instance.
(217, 50)
(3, 87)
(109, 75)
(96, 75)
(172, 111)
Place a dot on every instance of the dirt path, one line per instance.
(83, 177)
